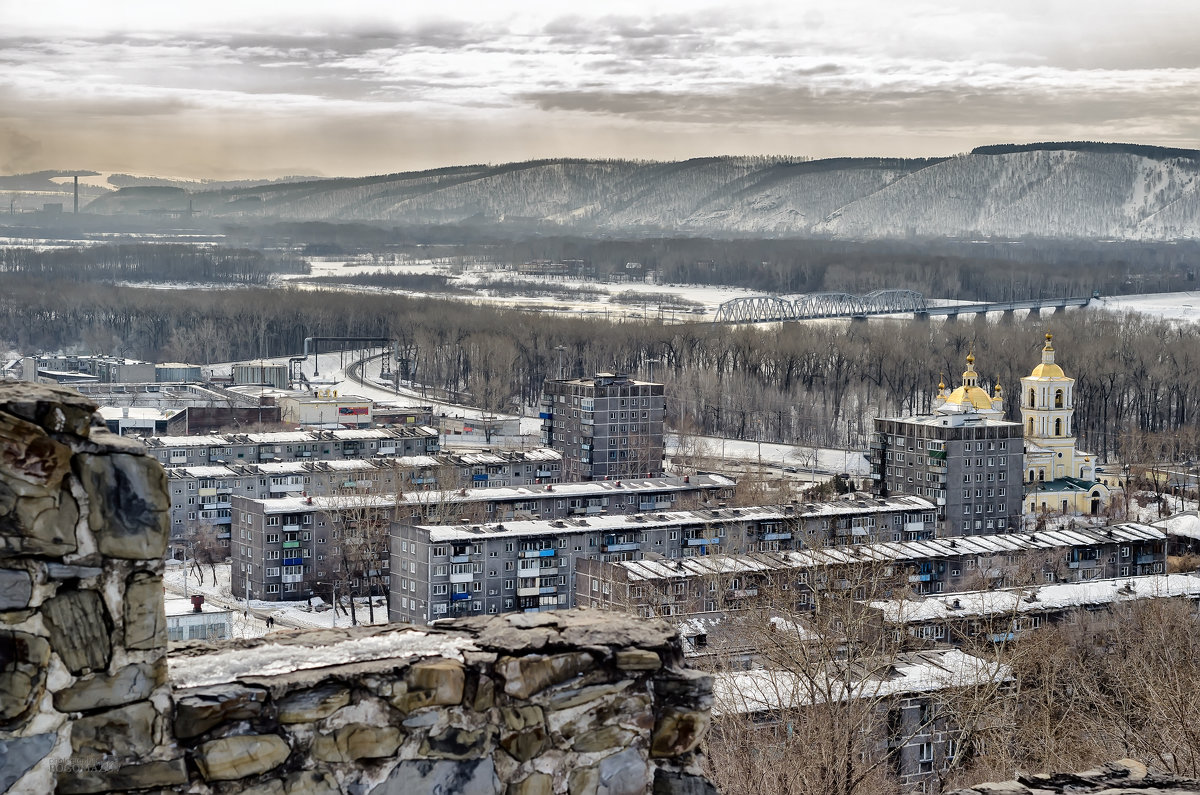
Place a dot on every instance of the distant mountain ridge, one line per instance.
(1055, 190)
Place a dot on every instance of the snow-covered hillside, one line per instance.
(1072, 191)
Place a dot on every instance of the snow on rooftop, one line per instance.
(887, 551)
(183, 607)
(273, 659)
(1186, 524)
(1041, 599)
(917, 672)
(593, 488)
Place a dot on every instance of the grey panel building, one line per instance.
(964, 456)
(607, 427)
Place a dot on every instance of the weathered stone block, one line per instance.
(439, 682)
(132, 683)
(31, 463)
(357, 741)
(127, 504)
(171, 773)
(678, 732)
(565, 699)
(603, 739)
(638, 660)
(533, 784)
(583, 781)
(145, 619)
(485, 694)
(61, 571)
(456, 743)
(313, 704)
(237, 757)
(474, 777)
(524, 676)
(23, 662)
(20, 754)
(127, 732)
(198, 710)
(526, 735)
(15, 589)
(54, 408)
(302, 782)
(80, 630)
(626, 773)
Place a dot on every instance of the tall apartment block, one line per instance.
(607, 427)
(964, 456)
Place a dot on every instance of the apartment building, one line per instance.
(704, 585)
(441, 571)
(238, 448)
(200, 495)
(309, 521)
(898, 703)
(1008, 614)
(964, 456)
(607, 427)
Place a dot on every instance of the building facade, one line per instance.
(964, 456)
(607, 427)
(705, 585)
(1058, 476)
(260, 527)
(440, 571)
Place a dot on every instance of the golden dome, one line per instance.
(1048, 369)
(970, 393)
(970, 396)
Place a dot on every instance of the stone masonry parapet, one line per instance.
(556, 702)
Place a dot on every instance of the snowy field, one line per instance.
(249, 616)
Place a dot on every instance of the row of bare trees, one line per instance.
(1089, 687)
(815, 384)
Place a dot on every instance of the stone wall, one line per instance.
(556, 702)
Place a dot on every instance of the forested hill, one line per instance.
(1045, 190)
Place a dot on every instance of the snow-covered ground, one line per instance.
(250, 615)
(1169, 306)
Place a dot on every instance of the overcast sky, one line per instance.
(230, 89)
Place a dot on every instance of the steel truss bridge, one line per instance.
(814, 306)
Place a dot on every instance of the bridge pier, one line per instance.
(1060, 309)
(1034, 312)
(1007, 317)
(921, 316)
(952, 317)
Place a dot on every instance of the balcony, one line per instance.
(291, 544)
(465, 576)
(459, 597)
(293, 561)
(463, 558)
(744, 593)
(291, 528)
(920, 577)
(537, 553)
(701, 542)
(528, 591)
(1142, 560)
(289, 578)
(626, 547)
(207, 492)
(547, 590)
(544, 473)
(777, 537)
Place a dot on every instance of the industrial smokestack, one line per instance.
(77, 194)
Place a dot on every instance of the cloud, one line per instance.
(923, 76)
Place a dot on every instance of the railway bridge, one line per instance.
(816, 306)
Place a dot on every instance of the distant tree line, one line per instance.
(802, 383)
(150, 262)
